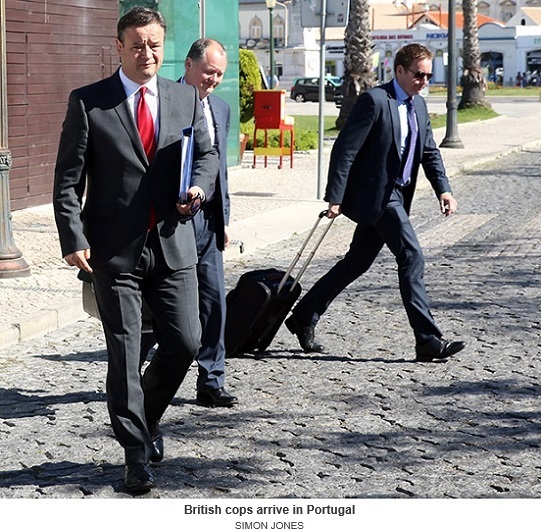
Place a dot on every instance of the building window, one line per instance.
(507, 14)
(483, 9)
(507, 10)
(278, 28)
(256, 28)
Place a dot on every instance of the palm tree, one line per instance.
(358, 75)
(472, 80)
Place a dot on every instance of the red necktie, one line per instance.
(145, 125)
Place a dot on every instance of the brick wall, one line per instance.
(53, 46)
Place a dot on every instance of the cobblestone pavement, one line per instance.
(268, 206)
(361, 420)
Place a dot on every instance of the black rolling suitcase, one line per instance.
(261, 300)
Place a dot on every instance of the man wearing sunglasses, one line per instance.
(372, 177)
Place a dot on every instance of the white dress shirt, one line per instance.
(132, 92)
(403, 112)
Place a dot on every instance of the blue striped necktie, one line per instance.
(411, 141)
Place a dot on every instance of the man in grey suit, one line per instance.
(121, 146)
(372, 177)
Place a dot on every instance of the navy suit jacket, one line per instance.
(221, 114)
(365, 159)
(101, 156)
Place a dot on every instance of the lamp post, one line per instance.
(286, 22)
(12, 263)
(451, 139)
(321, 125)
(271, 4)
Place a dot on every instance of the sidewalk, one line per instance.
(268, 205)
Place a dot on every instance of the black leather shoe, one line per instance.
(305, 334)
(138, 478)
(438, 348)
(157, 442)
(157, 449)
(212, 397)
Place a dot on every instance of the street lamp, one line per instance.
(286, 22)
(271, 4)
(12, 263)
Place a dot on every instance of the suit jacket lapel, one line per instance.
(165, 110)
(421, 120)
(395, 116)
(125, 114)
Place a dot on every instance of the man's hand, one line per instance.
(227, 236)
(195, 199)
(333, 210)
(448, 204)
(79, 259)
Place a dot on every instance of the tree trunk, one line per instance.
(359, 75)
(472, 80)
(473, 90)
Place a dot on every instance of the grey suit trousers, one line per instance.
(136, 402)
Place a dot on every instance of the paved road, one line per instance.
(359, 421)
(510, 106)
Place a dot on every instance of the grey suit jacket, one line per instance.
(221, 114)
(365, 159)
(101, 155)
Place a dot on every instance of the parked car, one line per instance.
(307, 89)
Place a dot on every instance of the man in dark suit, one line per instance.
(121, 146)
(372, 178)
(205, 67)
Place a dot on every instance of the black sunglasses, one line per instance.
(421, 75)
(195, 203)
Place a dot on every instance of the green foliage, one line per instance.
(522, 92)
(438, 89)
(306, 133)
(306, 128)
(492, 90)
(249, 81)
(471, 114)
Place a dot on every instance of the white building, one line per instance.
(296, 50)
(507, 48)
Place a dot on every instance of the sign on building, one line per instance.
(337, 13)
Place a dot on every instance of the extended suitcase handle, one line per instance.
(301, 250)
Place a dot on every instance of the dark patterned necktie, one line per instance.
(411, 141)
